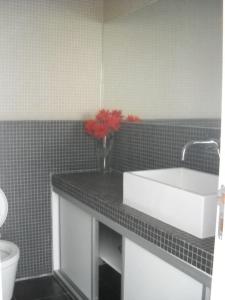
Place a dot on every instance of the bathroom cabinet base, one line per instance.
(146, 277)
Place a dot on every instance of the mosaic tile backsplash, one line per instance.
(158, 144)
(31, 150)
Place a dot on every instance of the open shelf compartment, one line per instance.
(110, 247)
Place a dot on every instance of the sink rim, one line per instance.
(135, 173)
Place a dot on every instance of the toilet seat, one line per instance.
(9, 253)
(3, 207)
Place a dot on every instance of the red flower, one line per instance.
(114, 122)
(118, 114)
(103, 115)
(106, 122)
(89, 126)
(96, 129)
(101, 130)
(132, 118)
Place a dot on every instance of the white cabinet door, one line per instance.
(76, 246)
(148, 277)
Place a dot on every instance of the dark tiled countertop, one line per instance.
(104, 194)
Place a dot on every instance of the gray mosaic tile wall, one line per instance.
(29, 152)
(158, 144)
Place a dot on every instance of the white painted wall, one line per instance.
(50, 58)
(163, 60)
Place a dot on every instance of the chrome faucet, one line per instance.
(207, 142)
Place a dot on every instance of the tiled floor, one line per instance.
(46, 288)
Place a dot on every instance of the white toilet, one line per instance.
(9, 255)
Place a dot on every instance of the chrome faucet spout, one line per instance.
(194, 142)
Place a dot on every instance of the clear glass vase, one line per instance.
(104, 154)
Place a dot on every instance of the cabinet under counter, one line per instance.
(96, 197)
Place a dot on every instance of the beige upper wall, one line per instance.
(50, 58)
(164, 60)
(118, 8)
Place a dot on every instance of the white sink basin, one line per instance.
(181, 197)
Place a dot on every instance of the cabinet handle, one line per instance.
(221, 203)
